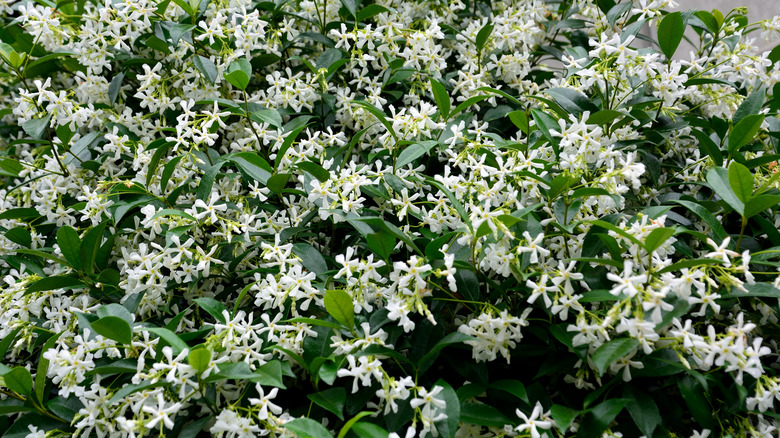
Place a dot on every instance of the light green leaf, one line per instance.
(18, 380)
(199, 358)
(338, 303)
(657, 237)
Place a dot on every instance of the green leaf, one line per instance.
(612, 351)
(253, 165)
(317, 322)
(709, 21)
(18, 380)
(449, 425)
(114, 327)
(718, 232)
(238, 73)
(338, 303)
(381, 243)
(173, 212)
(643, 410)
(314, 169)
(207, 181)
(332, 400)
(370, 11)
(744, 131)
(563, 416)
(456, 204)
(122, 366)
(696, 399)
(277, 183)
(741, 181)
(468, 103)
(483, 35)
(199, 358)
(268, 116)
(514, 387)
(20, 236)
(351, 6)
(572, 101)
(764, 290)
(482, 415)
(750, 106)
(382, 117)
(288, 142)
(546, 125)
(603, 117)
(451, 339)
(115, 87)
(70, 245)
(170, 337)
(55, 282)
(310, 257)
(718, 179)
(369, 430)
(114, 309)
(206, 67)
(757, 204)
(520, 120)
(442, 98)
(307, 428)
(414, 151)
(670, 33)
(212, 307)
(708, 147)
(168, 171)
(131, 389)
(657, 237)
(35, 128)
(598, 419)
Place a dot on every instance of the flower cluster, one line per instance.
(387, 218)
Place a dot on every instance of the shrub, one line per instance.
(390, 218)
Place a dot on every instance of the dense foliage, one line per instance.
(464, 218)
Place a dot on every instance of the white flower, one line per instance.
(265, 402)
(161, 413)
(537, 420)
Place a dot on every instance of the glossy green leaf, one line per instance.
(332, 400)
(760, 203)
(658, 237)
(170, 337)
(741, 181)
(19, 380)
(114, 327)
(206, 67)
(670, 33)
(212, 307)
(441, 97)
(718, 179)
(750, 106)
(199, 358)
(483, 35)
(307, 428)
(744, 132)
(563, 416)
(338, 303)
(611, 351)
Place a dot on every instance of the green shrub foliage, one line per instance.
(387, 218)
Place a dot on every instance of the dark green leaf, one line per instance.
(483, 35)
(55, 282)
(598, 419)
(115, 87)
(212, 307)
(170, 337)
(670, 33)
(449, 425)
(563, 416)
(238, 73)
(113, 327)
(19, 380)
(441, 97)
(369, 430)
(206, 67)
(744, 132)
(20, 236)
(757, 204)
(657, 237)
(612, 351)
(741, 181)
(314, 169)
(332, 400)
(306, 427)
(483, 415)
(643, 410)
(750, 106)
(718, 179)
(572, 101)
